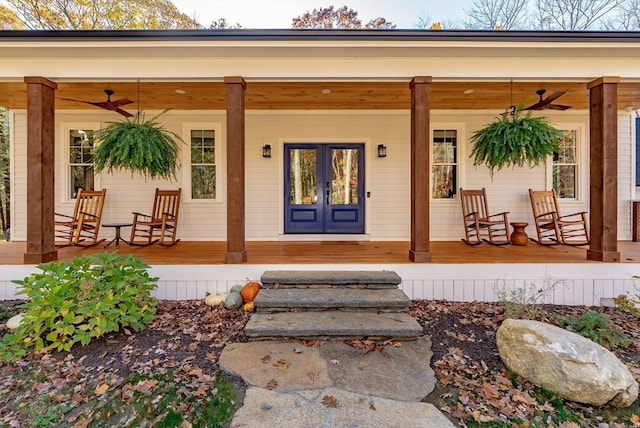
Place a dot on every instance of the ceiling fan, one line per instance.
(108, 104)
(548, 102)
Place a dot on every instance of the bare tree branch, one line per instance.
(572, 15)
(497, 14)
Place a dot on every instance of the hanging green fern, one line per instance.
(141, 146)
(513, 140)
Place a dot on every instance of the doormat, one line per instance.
(340, 243)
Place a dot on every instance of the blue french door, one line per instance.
(324, 188)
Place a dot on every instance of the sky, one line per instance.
(279, 13)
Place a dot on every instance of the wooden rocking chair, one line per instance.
(161, 225)
(553, 228)
(479, 225)
(82, 227)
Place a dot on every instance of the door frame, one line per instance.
(369, 157)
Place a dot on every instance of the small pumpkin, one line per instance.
(14, 322)
(236, 289)
(250, 291)
(233, 301)
(248, 307)
(215, 299)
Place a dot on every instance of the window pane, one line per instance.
(567, 152)
(344, 180)
(303, 177)
(203, 170)
(81, 178)
(80, 160)
(564, 181)
(203, 182)
(444, 181)
(445, 159)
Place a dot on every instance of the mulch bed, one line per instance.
(189, 336)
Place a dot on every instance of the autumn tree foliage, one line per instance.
(343, 18)
(93, 15)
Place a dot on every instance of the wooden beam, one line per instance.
(236, 251)
(420, 169)
(603, 186)
(40, 170)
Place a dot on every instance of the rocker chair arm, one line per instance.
(502, 214)
(550, 213)
(137, 214)
(64, 215)
(85, 214)
(581, 214)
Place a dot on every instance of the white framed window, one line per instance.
(446, 155)
(78, 158)
(202, 162)
(566, 165)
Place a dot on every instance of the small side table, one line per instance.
(118, 237)
(519, 236)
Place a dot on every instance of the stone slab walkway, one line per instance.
(334, 385)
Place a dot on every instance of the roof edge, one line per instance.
(323, 35)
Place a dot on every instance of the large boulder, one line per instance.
(566, 363)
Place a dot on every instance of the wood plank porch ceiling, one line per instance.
(376, 95)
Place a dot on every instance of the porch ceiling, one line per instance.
(201, 95)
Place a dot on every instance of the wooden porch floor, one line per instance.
(334, 252)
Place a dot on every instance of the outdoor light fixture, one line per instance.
(382, 151)
(266, 151)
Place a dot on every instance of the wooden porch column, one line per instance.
(236, 251)
(603, 187)
(420, 169)
(40, 170)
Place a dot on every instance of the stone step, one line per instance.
(327, 325)
(330, 279)
(297, 299)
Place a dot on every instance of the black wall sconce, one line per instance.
(382, 151)
(266, 151)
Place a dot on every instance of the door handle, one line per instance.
(328, 191)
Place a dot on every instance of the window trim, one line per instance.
(461, 152)
(65, 127)
(581, 162)
(187, 127)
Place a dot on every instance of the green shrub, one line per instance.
(598, 327)
(75, 302)
(5, 313)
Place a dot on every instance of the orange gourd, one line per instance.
(250, 291)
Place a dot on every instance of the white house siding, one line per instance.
(387, 179)
(626, 176)
(577, 284)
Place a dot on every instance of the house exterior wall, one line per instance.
(387, 179)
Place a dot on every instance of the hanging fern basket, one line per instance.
(145, 147)
(515, 140)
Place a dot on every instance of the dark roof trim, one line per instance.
(327, 35)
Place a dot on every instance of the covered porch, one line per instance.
(250, 74)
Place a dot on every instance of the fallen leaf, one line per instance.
(313, 343)
(272, 384)
(372, 407)
(490, 391)
(101, 389)
(329, 401)
(282, 364)
(266, 359)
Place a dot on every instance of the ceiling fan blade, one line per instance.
(122, 112)
(554, 96)
(82, 101)
(558, 107)
(121, 102)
